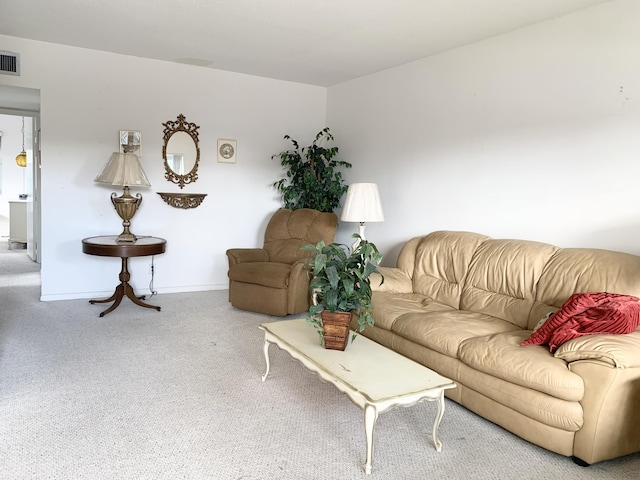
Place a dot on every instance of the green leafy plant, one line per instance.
(313, 179)
(341, 280)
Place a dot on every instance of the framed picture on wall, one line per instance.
(226, 150)
(131, 142)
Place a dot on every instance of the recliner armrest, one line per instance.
(243, 255)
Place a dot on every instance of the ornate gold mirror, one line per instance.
(181, 151)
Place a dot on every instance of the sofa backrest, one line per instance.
(584, 270)
(288, 230)
(441, 264)
(519, 281)
(503, 277)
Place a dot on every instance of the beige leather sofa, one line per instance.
(460, 303)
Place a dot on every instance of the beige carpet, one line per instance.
(16, 268)
(177, 394)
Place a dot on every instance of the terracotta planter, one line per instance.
(335, 328)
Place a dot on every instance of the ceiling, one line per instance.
(321, 42)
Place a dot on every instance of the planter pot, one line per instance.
(335, 329)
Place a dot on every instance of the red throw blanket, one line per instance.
(588, 314)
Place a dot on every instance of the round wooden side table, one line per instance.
(108, 247)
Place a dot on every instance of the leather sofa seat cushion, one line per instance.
(444, 331)
(549, 410)
(389, 307)
(268, 274)
(533, 367)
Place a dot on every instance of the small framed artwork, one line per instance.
(131, 142)
(226, 150)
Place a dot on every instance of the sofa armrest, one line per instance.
(620, 351)
(610, 411)
(395, 281)
(242, 255)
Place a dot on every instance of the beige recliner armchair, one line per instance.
(273, 279)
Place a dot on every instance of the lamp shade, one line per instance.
(123, 169)
(362, 204)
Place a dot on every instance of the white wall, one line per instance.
(88, 96)
(534, 134)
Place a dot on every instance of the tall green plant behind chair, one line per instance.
(313, 179)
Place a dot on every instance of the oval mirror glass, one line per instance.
(181, 153)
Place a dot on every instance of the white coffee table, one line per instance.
(374, 377)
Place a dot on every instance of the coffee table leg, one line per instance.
(436, 423)
(266, 358)
(370, 417)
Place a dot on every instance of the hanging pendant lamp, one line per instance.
(21, 159)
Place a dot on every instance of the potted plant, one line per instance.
(313, 179)
(341, 287)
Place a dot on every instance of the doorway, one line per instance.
(20, 185)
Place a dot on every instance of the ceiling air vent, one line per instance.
(9, 63)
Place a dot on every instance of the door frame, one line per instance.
(33, 187)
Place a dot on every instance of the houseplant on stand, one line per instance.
(313, 179)
(341, 287)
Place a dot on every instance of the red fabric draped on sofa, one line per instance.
(588, 314)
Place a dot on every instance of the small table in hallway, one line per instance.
(107, 246)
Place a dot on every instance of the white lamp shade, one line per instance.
(123, 169)
(362, 204)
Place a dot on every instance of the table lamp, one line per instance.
(124, 169)
(362, 205)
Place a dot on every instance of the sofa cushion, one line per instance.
(444, 331)
(502, 279)
(555, 412)
(574, 270)
(387, 307)
(533, 367)
(441, 264)
(620, 351)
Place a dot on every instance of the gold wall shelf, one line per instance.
(183, 200)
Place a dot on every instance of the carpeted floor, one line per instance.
(16, 268)
(177, 394)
